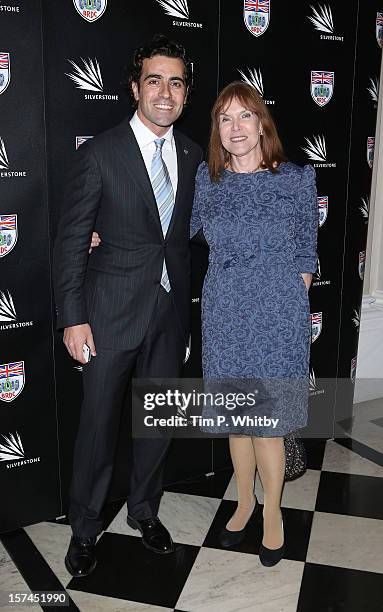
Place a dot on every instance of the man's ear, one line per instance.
(186, 96)
(135, 91)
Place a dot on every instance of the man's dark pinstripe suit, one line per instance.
(135, 323)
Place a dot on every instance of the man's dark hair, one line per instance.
(159, 45)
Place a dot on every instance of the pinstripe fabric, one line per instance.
(163, 192)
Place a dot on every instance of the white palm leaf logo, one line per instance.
(88, 77)
(7, 308)
(322, 19)
(316, 148)
(254, 79)
(364, 208)
(175, 8)
(12, 449)
(312, 381)
(373, 90)
(356, 318)
(4, 163)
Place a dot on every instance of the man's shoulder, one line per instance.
(109, 136)
(188, 143)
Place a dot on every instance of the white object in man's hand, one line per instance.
(74, 339)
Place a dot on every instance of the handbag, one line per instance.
(296, 459)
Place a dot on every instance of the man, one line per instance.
(129, 300)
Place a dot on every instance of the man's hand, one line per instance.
(95, 242)
(74, 339)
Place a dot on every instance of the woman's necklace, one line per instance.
(257, 169)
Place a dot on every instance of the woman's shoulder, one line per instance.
(295, 171)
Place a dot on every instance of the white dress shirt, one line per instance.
(145, 139)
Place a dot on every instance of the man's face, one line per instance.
(161, 93)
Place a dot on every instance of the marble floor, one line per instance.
(333, 518)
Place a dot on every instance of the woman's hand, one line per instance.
(95, 241)
(307, 278)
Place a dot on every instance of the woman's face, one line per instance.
(239, 129)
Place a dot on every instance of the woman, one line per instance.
(259, 216)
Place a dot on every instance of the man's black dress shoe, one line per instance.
(154, 535)
(229, 538)
(81, 559)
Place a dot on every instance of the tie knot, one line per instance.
(159, 143)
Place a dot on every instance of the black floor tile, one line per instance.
(336, 589)
(127, 570)
(361, 449)
(32, 566)
(350, 494)
(297, 527)
(207, 486)
(315, 448)
(378, 421)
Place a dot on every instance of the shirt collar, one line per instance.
(144, 136)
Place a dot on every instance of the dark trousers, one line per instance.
(105, 380)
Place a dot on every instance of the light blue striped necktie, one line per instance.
(163, 192)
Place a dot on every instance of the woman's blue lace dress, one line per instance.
(262, 231)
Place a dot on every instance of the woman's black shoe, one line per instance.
(270, 556)
(229, 538)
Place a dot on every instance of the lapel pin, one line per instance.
(186, 151)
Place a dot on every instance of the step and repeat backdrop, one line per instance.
(316, 66)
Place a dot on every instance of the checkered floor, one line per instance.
(333, 518)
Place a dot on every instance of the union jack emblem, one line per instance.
(12, 378)
(361, 265)
(256, 15)
(370, 150)
(353, 369)
(322, 86)
(316, 325)
(323, 209)
(5, 71)
(8, 233)
(379, 29)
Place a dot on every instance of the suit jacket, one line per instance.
(115, 288)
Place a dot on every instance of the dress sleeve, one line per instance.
(196, 222)
(306, 222)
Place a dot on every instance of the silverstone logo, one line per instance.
(254, 79)
(5, 8)
(81, 139)
(8, 314)
(88, 76)
(12, 451)
(313, 385)
(356, 317)
(322, 86)
(4, 163)
(180, 10)
(322, 20)
(5, 172)
(90, 10)
(365, 208)
(316, 152)
(7, 308)
(317, 277)
(373, 89)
